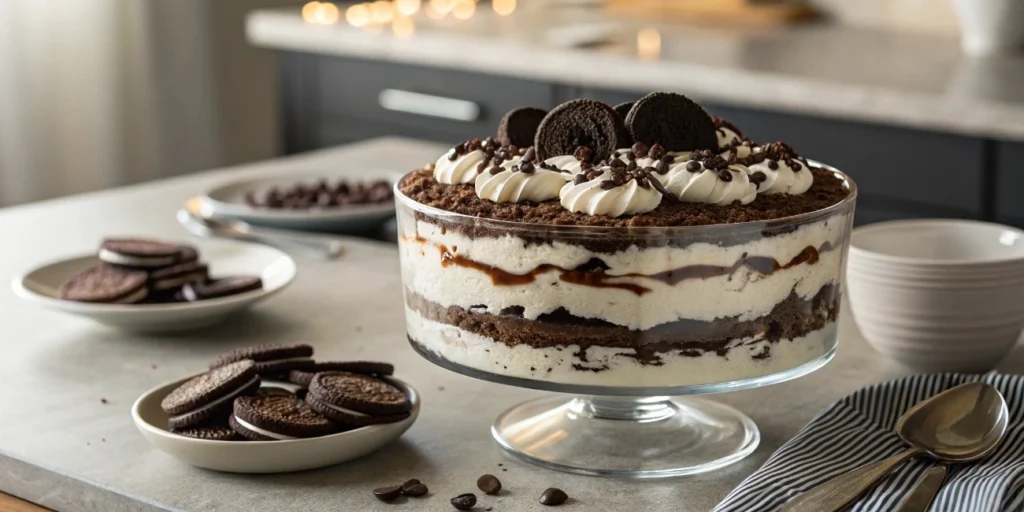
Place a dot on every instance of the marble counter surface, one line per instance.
(66, 436)
(887, 77)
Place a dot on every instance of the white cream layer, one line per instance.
(116, 258)
(263, 432)
(620, 368)
(745, 294)
(230, 396)
(342, 409)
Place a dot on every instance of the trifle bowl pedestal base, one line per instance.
(648, 437)
(630, 432)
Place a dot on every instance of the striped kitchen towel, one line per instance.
(860, 429)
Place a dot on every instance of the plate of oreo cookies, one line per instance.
(274, 409)
(151, 285)
(308, 201)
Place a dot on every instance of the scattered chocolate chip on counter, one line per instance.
(553, 497)
(489, 484)
(464, 501)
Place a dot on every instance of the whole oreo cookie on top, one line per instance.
(672, 120)
(223, 287)
(519, 126)
(270, 359)
(140, 253)
(278, 418)
(357, 400)
(208, 397)
(580, 122)
(106, 284)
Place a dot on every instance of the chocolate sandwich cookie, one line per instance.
(672, 120)
(625, 138)
(357, 400)
(278, 418)
(139, 253)
(519, 127)
(303, 378)
(174, 277)
(576, 123)
(622, 109)
(208, 397)
(106, 284)
(271, 359)
(210, 433)
(222, 287)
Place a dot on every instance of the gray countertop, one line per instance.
(61, 446)
(888, 77)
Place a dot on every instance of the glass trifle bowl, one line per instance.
(628, 320)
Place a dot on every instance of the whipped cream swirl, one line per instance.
(704, 185)
(510, 184)
(788, 176)
(463, 168)
(601, 196)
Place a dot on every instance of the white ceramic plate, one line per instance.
(264, 456)
(276, 268)
(227, 200)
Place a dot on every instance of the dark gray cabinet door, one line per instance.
(437, 104)
(1009, 194)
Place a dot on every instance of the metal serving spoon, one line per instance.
(961, 424)
(197, 221)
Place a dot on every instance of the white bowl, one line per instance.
(228, 200)
(277, 269)
(263, 456)
(939, 243)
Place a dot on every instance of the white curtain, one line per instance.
(98, 93)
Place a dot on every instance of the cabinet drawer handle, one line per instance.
(408, 102)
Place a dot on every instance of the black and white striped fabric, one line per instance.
(860, 429)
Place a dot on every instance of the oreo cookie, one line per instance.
(622, 109)
(580, 122)
(173, 278)
(208, 397)
(278, 418)
(210, 433)
(303, 378)
(106, 284)
(222, 287)
(270, 359)
(519, 127)
(139, 253)
(672, 120)
(357, 400)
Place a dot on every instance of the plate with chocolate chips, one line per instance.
(309, 201)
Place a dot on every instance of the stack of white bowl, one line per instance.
(938, 295)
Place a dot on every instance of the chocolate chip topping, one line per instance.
(580, 122)
(672, 120)
(519, 126)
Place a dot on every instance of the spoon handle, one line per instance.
(925, 490)
(838, 493)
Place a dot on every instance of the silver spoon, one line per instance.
(959, 425)
(197, 221)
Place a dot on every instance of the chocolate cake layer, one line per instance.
(792, 318)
